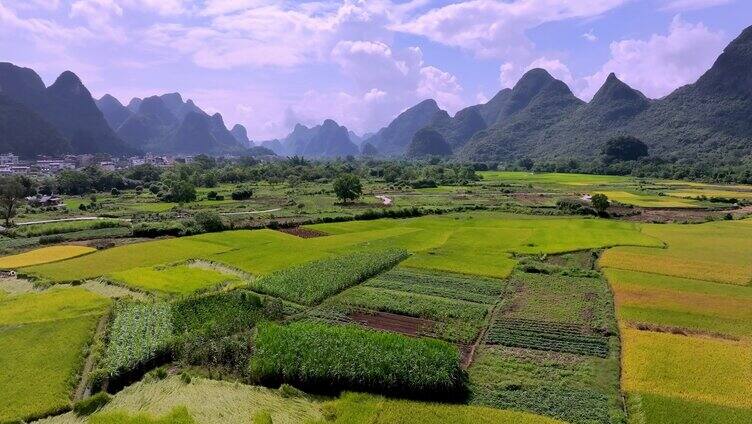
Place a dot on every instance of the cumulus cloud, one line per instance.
(590, 36)
(510, 73)
(491, 28)
(677, 5)
(662, 63)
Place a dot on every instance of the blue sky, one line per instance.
(269, 64)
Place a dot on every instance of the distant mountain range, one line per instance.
(61, 118)
(328, 140)
(709, 121)
(539, 118)
(167, 124)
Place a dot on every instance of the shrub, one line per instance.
(185, 377)
(242, 193)
(314, 281)
(287, 391)
(158, 229)
(209, 221)
(600, 202)
(212, 195)
(51, 239)
(91, 404)
(320, 356)
(115, 192)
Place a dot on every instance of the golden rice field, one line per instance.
(680, 302)
(699, 369)
(43, 255)
(716, 251)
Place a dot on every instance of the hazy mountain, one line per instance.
(490, 110)
(428, 142)
(134, 104)
(25, 133)
(393, 139)
(114, 111)
(66, 105)
(457, 130)
(241, 135)
(274, 145)
(368, 149)
(322, 141)
(537, 102)
(355, 138)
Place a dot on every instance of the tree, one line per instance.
(623, 148)
(11, 193)
(209, 221)
(347, 187)
(600, 202)
(181, 192)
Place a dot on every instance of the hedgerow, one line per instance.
(315, 356)
(312, 282)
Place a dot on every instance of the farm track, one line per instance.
(386, 321)
(303, 232)
(468, 360)
(82, 218)
(89, 364)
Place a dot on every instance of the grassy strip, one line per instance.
(312, 282)
(318, 356)
(452, 286)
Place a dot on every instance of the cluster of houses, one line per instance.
(12, 164)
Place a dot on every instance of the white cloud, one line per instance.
(40, 30)
(492, 28)
(509, 73)
(99, 15)
(590, 36)
(662, 63)
(678, 5)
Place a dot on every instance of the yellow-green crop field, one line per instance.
(716, 251)
(696, 292)
(554, 178)
(479, 243)
(43, 255)
(693, 368)
(43, 336)
(649, 200)
(181, 279)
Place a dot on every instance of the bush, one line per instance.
(115, 192)
(209, 221)
(600, 202)
(319, 356)
(158, 229)
(91, 404)
(242, 193)
(212, 195)
(287, 391)
(51, 239)
(185, 377)
(347, 187)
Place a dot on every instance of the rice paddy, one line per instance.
(43, 255)
(43, 336)
(181, 279)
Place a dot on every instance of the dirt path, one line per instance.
(467, 358)
(89, 364)
(81, 218)
(251, 212)
(386, 200)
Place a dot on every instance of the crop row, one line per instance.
(139, 333)
(516, 333)
(445, 285)
(317, 356)
(219, 313)
(312, 282)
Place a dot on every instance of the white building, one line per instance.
(8, 159)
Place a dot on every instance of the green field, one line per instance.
(182, 279)
(43, 255)
(43, 336)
